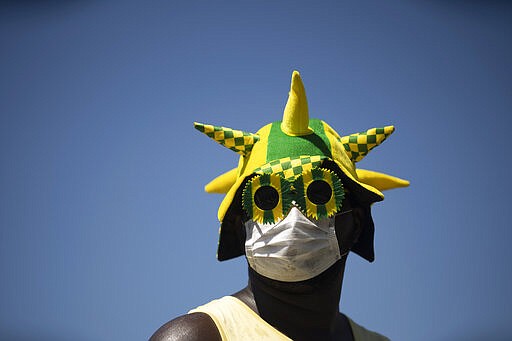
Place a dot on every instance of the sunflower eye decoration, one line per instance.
(318, 193)
(266, 198)
(322, 193)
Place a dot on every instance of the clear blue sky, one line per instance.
(105, 231)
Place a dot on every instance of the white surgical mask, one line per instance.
(294, 249)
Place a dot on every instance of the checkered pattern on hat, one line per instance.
(238, 141)
(359, 144)
(290, 168)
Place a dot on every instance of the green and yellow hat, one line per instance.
(288, 149)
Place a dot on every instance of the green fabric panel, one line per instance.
(339, 191)
(264, 180)
(268, 217)
(281, 145)
(321, 211)
(286, 198)
(300, 195)
(286, 164)
(317, 174)
(247, 199)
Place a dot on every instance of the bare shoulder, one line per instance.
(195, 326)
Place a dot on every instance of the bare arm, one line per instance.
(191, 327)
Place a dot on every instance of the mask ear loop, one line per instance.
(267, 216)
(332, 206)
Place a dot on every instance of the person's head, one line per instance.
(294, 174)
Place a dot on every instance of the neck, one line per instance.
(299, 309)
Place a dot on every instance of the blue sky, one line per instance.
(105, 231)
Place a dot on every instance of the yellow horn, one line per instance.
(380, 181)
(222, 183)
(296, 116)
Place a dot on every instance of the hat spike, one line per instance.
(296, 116)
(358, 145)
(222, 183)
(380, 181)
(238, 141)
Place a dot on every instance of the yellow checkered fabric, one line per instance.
(238, 141)
(290, 168)
(359, 144)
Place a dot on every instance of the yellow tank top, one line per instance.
(229, 314)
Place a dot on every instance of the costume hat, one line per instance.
(289, 148)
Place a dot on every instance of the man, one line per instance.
(295, 206)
